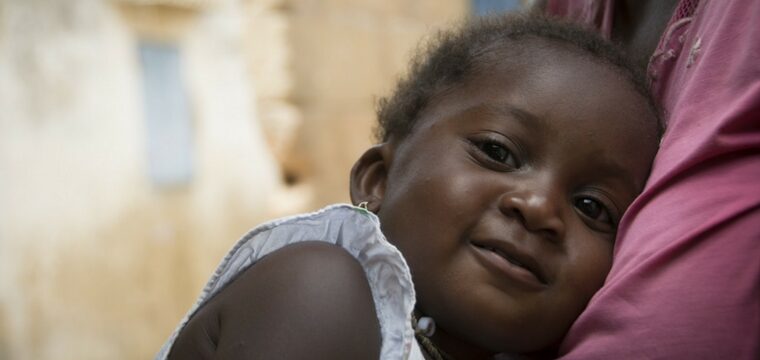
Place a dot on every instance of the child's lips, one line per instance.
(505, 258)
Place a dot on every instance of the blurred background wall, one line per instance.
(139, 139)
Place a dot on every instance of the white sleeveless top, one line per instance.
(357, 231)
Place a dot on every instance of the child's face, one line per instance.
(505, 196)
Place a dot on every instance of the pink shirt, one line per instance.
(685, 283)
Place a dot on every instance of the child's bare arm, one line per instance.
(309, 300)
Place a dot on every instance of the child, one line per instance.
(507, 157)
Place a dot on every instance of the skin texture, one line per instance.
(538, 157)
(305, 301)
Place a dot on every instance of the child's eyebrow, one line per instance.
(524, 117)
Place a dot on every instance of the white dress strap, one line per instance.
(354, 229)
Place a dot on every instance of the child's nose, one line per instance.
(539, 210)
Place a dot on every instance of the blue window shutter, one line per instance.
(488, 7)
(167, 114)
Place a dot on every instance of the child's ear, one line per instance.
(369, 175)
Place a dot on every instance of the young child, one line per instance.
(507, 157)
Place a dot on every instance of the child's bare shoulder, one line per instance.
(306, 298)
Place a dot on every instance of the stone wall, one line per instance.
(96, 261)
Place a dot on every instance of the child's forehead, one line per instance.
(558, 95)
(544, 76)
(531, 51)
(566, 61)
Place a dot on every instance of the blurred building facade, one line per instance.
(140, 138)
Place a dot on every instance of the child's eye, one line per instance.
(599, 214)
(497, 152)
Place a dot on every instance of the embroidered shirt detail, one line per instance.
(693, 52)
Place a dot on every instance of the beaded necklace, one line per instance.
(423, 329)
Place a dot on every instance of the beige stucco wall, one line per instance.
(347, 54)
(95, 261)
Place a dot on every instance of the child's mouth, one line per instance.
(500, 257)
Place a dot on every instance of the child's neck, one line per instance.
(456, 348)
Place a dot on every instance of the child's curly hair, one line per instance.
(453, 56)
